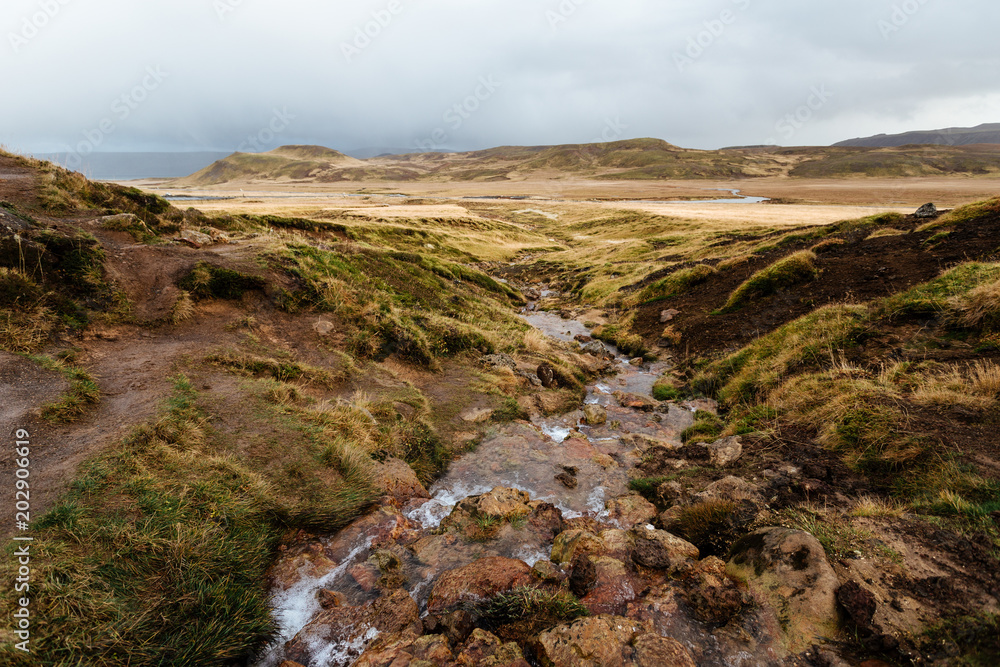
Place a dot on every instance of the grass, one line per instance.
(282, 370)
(792, 270)
(969, 641)
(178, 535)
(209, 281)
(676, 283)
(706, 428)
(964, 214)
(522, 613)
(83, 392)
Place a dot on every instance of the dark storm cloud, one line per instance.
(221, 74)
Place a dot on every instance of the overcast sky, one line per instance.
(468, 74)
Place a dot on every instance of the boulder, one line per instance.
(406, 648)
(667, 315)
(547, 374)
(658, 549)
(476, 415)
(789, 569)
(713, 597)
(498, 361)
(725, 451)
(395, 478)
(729, 488)
(597, 348)
(926, 211)
(859, 603)
(636, 401)
(595, 415)
(611, 588)
(353, 627)
(629, 510)
(484, 649)
(476, 581)
(609, 641)
(570, 542)
(194, 238)
(308, 560)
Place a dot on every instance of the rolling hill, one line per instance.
(987, 133)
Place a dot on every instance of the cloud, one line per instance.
(391, 72)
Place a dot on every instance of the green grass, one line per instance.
(706, 428)
(787, 272)
(672, 285)
(209, 281)
(83, 391)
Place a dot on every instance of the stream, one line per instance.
(519, 455)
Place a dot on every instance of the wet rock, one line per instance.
(308, 560)
(583, 574)
(547, 374)
(498, 361)
(396, 478)
(547, 571)
(927, 211)
(353, 627)
(597, 348)
(636, 361)
(725, 451)
(407, 648)
(859, 603)
(789, 569)
(499, 504)
(290, 663)
(480, 579)
(635, 401)
(433, 549)
(595, 415)
(667, 315)
(570, 542)
(531, 378)
(365, 575)
(605, 641)
(629, 510)
(567, 480)
(386, 525)
(617, 543)
(611, 588)
(545, 520)
(658, 549)
(458, 625)
(330, 599)
(486, 650)
(714, 598)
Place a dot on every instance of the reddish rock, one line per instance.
(612, 588)
(353, 626)
(571, 542)
(395, 478)
(485, 649)
(365, 575)
(630, 510)
(658, 549)
(303, 561)
(714, 598)
(478, 580)
(330, 599)
(635, 401)
(609, 641)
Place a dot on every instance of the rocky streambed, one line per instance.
(533, 550)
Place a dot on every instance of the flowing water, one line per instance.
(522, 456)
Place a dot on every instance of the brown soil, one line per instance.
(860, 270)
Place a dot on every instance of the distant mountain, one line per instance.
(384, 151)
(128, 166)
(987, 133)
(628, 160)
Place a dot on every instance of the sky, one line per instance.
(165, 75)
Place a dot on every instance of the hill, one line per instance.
(987, 133)
(627, 160)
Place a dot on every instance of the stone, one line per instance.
(570, 542)
(926, 211)
(597, 348)
(458, 625)
(630, 510)
(194, 238)
(583, 575)
(636, 361)
(594, 415)
(365, 575)
(504, 503)
(670, 492)
(729, 488)
(567, 480)
(545, 520)
(353, 627)
(610, 641)
(581, 338)
(476, 581)
(636, 401)
(788, 568)
(547, 374)
(667, 315)
(484, 649)
(476, 415)
(501, 360)
(859, 603)
(323, 327)
(703, 404)
(611, 588)
(659, 550)
(547, 571)
(725, 451)
(330, 599)
(395, 478)
(290, 663)
(713, 597)
(306, 560)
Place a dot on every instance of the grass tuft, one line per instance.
(792, 270)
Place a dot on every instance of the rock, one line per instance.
(630, 510)
(567, 480)
(611, 587)
(194, 238)
(606, 641)
(670, 492)
(595, 415)
(498, 361)
(476, 415)
(729, 488)
(458, 625)
(667, 315)
(531, 378)
(407, 648)
(597, 348)
(323, 327)
(570, 542)
(723, 452)
(714, 598)
(583, 574)
(331, 599)
(480, 579)
(580, 338)
(307, 560)
(926, 211)
(395, 478)
(545, 520)
(859, 603)
(484, 649)
(658, 549)
(547, 571)
(503, 503)
(290, 663)
(635, 401)
(704, 404)
(121, 221)
(353, 627)
(365, 575)
(636, 361)
(547, 374)
(788, 568)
